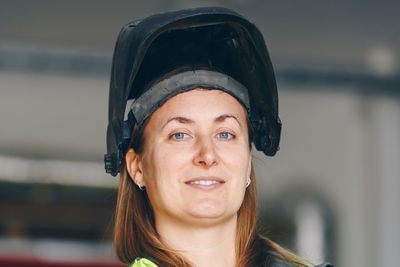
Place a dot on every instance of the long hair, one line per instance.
(135, 234)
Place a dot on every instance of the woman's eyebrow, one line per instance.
(178, 119)
(223, 117)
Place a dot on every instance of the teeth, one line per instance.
(204, 182)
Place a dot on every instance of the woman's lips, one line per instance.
(205, 183)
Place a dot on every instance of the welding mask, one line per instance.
(166, 54)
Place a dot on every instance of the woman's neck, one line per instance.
(212, 245)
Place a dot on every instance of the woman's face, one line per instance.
(196, 157)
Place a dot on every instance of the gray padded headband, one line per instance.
(143, 106)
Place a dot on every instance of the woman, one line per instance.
(203, 90)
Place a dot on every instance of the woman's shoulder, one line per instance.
(142, 262)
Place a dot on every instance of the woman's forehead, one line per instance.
(200, 104)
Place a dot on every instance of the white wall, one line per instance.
(344, 148)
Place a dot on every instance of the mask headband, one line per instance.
(160, 92)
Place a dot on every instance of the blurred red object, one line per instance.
(26, 261)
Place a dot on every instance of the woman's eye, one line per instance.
(225, 135)
(179, 136)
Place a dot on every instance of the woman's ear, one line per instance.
(134, 167)
(250, 166)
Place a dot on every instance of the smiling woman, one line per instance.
(203, 91)
(195, 161)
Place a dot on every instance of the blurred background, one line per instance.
(332, 191)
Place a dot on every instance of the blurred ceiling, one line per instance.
(339, 31)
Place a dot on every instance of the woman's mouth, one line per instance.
(205, 183)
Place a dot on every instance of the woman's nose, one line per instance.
(206, 155)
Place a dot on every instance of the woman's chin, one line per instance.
(211, 212)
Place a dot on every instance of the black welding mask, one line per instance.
(166, 54)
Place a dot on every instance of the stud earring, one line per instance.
(140, 187)
(248, 182)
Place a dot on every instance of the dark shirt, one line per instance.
(268, 257)
(278, 261)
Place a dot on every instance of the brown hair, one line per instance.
(135, 233)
